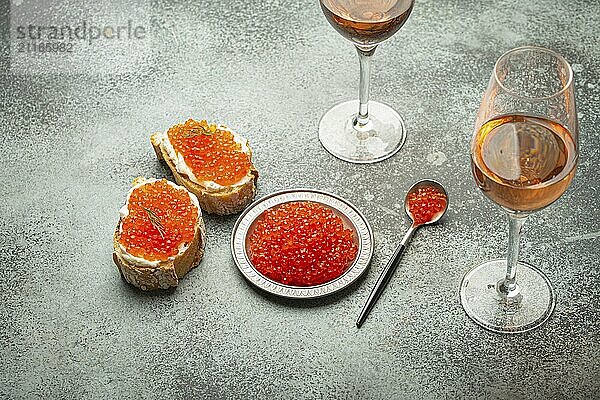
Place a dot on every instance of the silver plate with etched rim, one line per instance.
(349, 214)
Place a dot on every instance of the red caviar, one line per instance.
(160, 219)
(301, 244)
(211, 152)
(425, 203)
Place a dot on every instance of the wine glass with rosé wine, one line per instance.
(524, 154)
(361, 131)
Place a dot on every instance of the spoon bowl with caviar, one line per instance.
(425, 204)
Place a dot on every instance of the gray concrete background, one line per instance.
(72, 143)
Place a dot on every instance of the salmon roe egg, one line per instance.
(210, 151)
(160, 219)
(425, 203)
(301, 244)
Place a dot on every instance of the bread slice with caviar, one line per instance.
(160, 236)
(212, 162)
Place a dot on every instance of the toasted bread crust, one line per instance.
(229, 200)
(167, 273)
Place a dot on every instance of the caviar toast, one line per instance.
(160, 236)
(212, 162)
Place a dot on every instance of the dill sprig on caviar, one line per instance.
(202, 129)
(155, 221)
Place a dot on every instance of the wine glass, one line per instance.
(359, 131)
(523, 157)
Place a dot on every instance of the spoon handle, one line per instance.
(384, 278)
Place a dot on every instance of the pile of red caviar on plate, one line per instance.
(210, 151)
(161, 218)
(425, 203)
(301, 243)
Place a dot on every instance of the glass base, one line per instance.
(381, 138)
(528, 309)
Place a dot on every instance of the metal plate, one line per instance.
(352, 218)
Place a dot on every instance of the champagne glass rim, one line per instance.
(558, 56)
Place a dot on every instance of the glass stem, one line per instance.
(365, 55)
(508, 286)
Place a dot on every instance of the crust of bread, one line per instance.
(228, 200)
(167, 273)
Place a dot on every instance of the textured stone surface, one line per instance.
(71, 144)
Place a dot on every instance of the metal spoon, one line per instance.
(392, 264)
